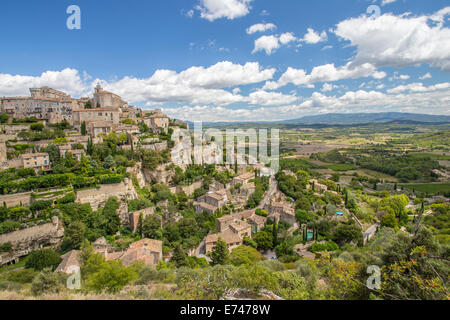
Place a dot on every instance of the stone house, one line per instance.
(97, 128)
(70, 262)
(257, 222)
(232, 239)
(110, 115)
(35, 161)
(243, 178)
(146, 250)
(281, 211)
(156, 121)
(77, 154)
(217, 198)
(201, 207)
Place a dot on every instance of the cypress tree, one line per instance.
(179, 257)
(275, 234)
(140, 223)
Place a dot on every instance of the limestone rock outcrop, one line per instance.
(27, 240)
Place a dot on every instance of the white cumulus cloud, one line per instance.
(313, 37)
(261, 27)
(399, 41)
(230, 9)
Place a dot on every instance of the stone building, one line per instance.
(156, 121)
(244, 178)
(211, 201)
(134, 217)
(281, 211)
(51, 110)
(110, 115)
(232, 240)
(97, 128)
(107, 100)
(38, 161)
(146, 250)
(70, 262)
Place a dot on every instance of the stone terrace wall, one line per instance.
(16, 199)
(97, 197)
(189, 190)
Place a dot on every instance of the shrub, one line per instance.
(43, 258)
(46, 282)
(9, 286)
(245, 255)
(22, 276)
(112, 276)
(40, 205)
(68, 198)
(273, 265)
(6, 247)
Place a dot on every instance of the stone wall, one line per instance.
(13, 200)
(137, 171)
(189, 190)
(159, 175)
(156, 146)
(27, 240)
(97, 197)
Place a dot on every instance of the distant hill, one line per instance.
(359, 118)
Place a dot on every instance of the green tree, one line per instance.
(346, 233)
(73, 236)
(83, 128)
(151, 227)
(4, 117)
(112, 276)
(220, 253)
(245, 255)
(46, 282)
(109, 162)
(389, 220)
(264, 240)
(179, 257)
(111, 215)
(43, 258)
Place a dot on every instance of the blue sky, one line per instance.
(235, 60)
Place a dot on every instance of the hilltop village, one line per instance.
(89, 184)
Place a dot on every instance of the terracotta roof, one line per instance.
(215, 195)
(239, 225)
(228, 236)
(257, 219)
(149, 244)
(246, 214)
(245, 176)
(205, 205)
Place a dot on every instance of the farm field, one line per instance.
(430, 188)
